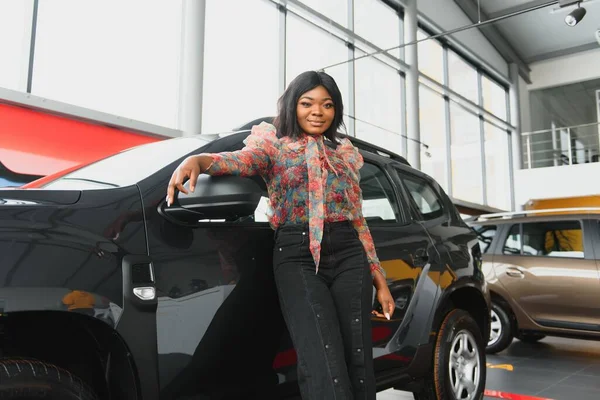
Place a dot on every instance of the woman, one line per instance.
(324, 258)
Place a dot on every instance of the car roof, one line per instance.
(556, 214)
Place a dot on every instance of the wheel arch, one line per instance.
(468, 297)
(80, 344)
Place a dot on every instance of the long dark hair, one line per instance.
(286, 121)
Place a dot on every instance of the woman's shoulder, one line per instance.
(349, 153)
(263, 134)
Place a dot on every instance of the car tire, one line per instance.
(501, 331)
(459, 339)
(530, 337)
(22, 379)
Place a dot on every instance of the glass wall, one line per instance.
(15, 38)
(240, 78)
(100, 62)
(252, 51)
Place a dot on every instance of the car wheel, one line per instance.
(530, 337)
(501, 334)
(23, 379)
(459, 369)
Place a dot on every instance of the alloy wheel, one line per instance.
(495, 328)
(464, 366)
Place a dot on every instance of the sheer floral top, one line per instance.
(307, 182)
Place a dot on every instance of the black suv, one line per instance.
(108, 293)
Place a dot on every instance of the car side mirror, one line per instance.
(215, 197)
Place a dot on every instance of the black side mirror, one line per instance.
(215, 197)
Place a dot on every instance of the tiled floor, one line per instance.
(555, 368)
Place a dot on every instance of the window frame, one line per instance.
(396, 205)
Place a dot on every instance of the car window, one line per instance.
(378, 195)
(553, 239)
(485, 235)
(423, 195)
(512, 245)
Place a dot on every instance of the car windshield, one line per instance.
(127, 167)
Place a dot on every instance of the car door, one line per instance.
(406, 253)
(219, 325)
(548, 268)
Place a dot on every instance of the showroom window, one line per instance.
(337, 10)
(378, 104)
(497, 168)
(424, 196)
(432, 109)
(240, 78)
(301, 37)
(15, 23)
(101, 63)
(512, 245)
(553, 239)
(494, 98)
(378, 23)
(431, 57)
(466, 155)
(463, 77)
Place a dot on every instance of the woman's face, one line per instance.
(315, 111)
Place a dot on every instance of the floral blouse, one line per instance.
(307, 182)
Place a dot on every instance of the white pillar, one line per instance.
(515, 120)
(412, 85)
(192, 67)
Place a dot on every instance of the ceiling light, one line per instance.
(575, 16)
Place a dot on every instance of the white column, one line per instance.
(515, 120)
(192, 67)
(412, 85)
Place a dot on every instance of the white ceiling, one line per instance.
(543, 34)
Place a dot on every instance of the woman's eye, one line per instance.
(328, 105)
(305, 104)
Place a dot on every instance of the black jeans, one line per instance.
(327, 314)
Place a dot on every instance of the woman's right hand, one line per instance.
(189, 168)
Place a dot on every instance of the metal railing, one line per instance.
(579, 144)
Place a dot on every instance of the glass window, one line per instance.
(379, 110)
(301, 39)
(466, 155)
(337, 10)
(378, 195)
(553, 239)
(241, 71)
(100, 62)
(15, 39)
(463, 77)
(431, 57)
(494, 98)
(432, 119)
(485, 235)
(377, 23)
(512, 245)
(497, 167)
(427, 201)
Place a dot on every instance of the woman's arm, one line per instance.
(364, 235)
(253, 159)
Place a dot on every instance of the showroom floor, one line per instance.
(555, 368)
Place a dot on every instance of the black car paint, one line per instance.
(232, 328)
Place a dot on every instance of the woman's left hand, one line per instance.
(387, 303)
(384, 297)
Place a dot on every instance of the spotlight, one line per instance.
(575, 16)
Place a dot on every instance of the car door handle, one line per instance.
(514, 272)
